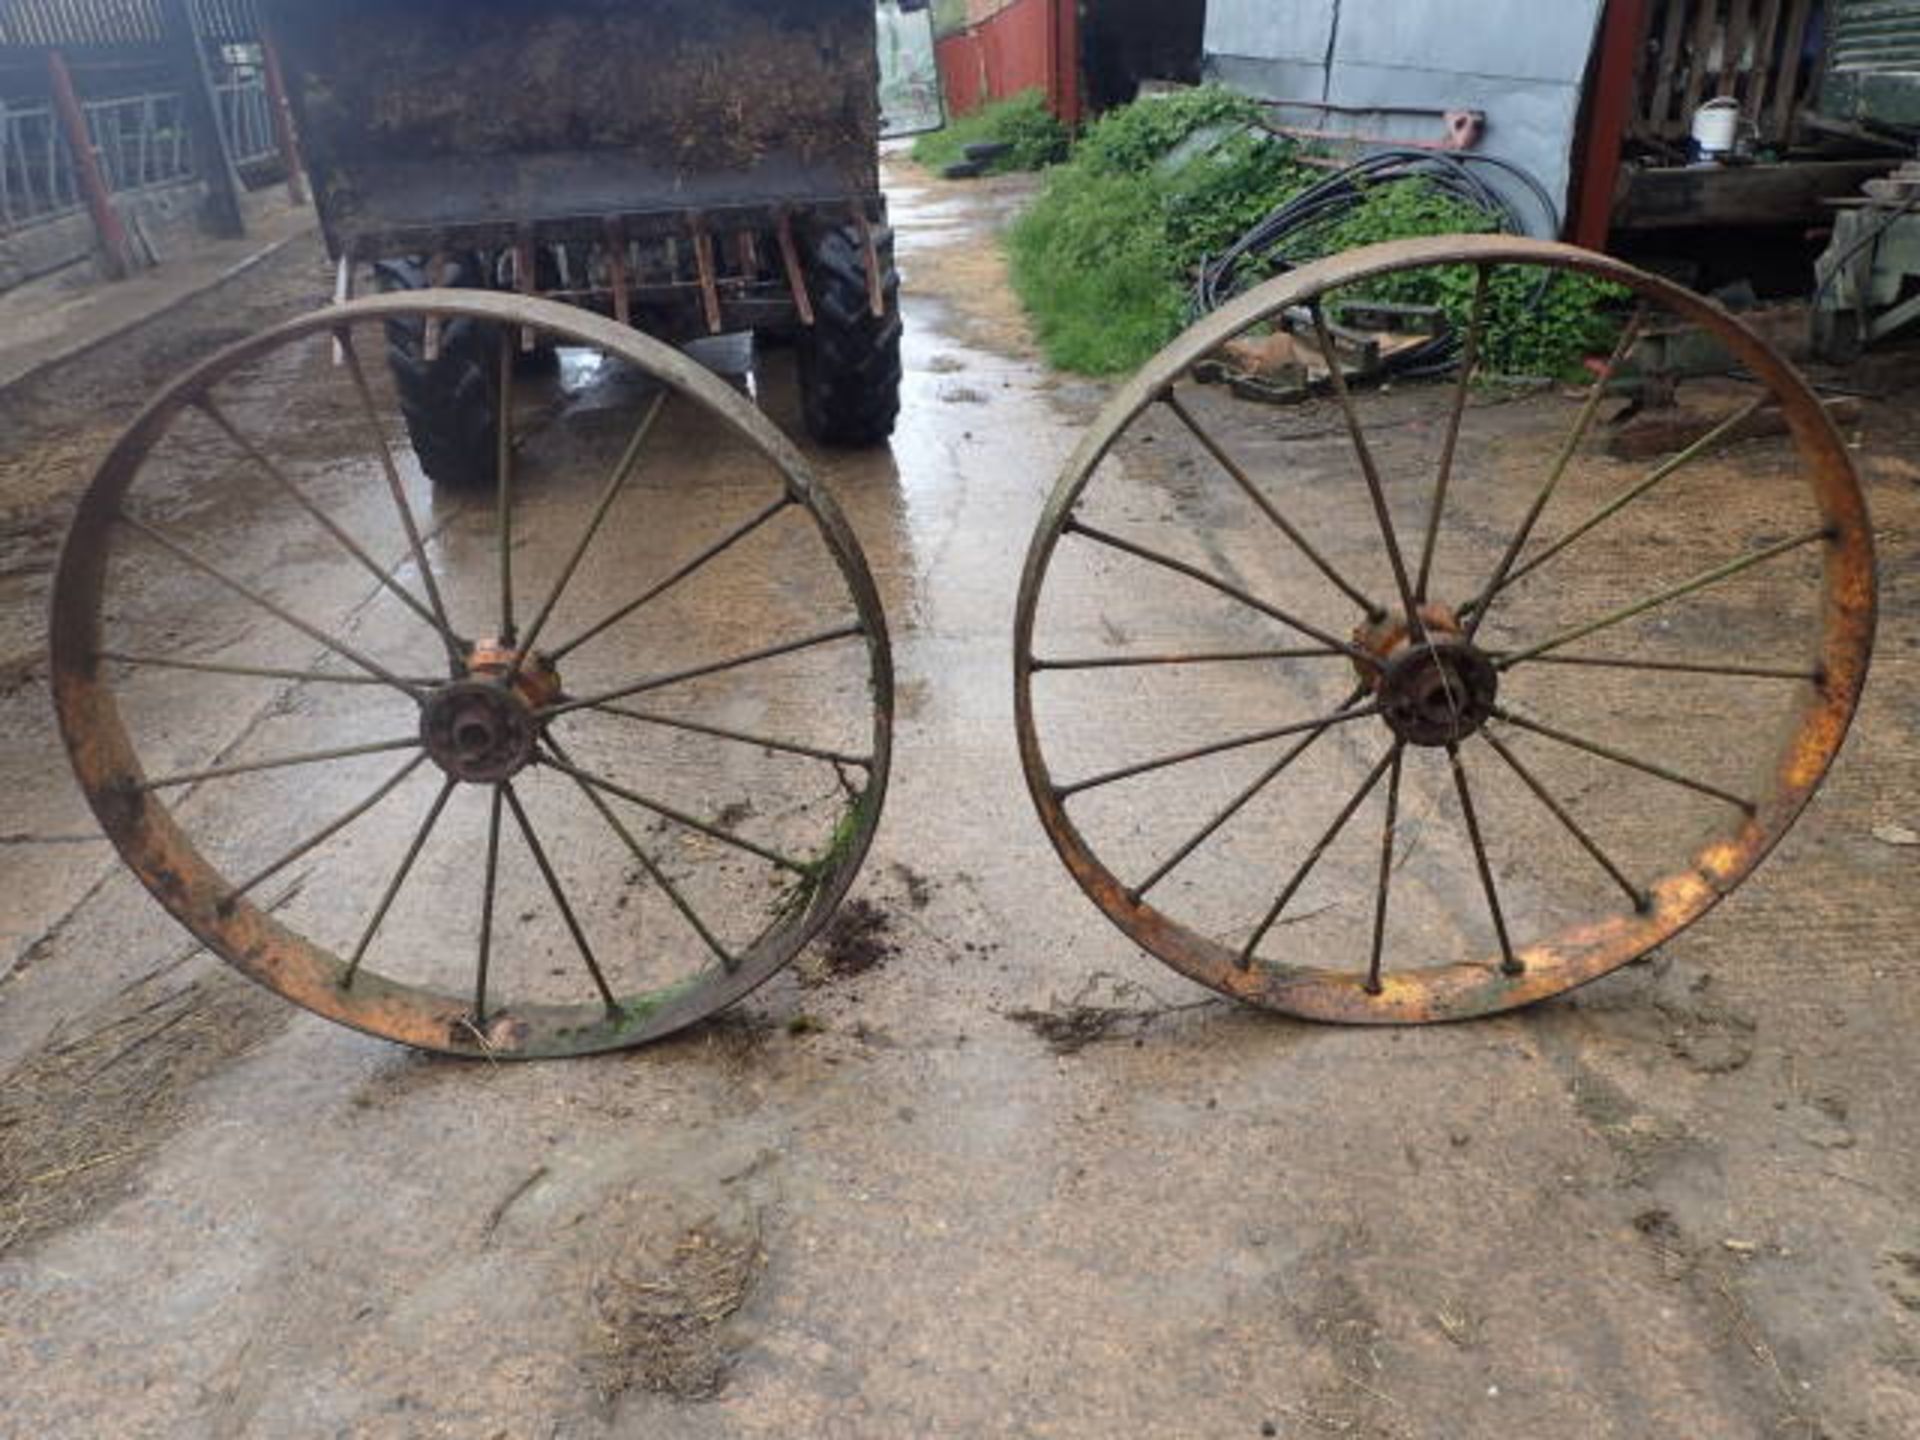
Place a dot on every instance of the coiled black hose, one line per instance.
(1291, 233)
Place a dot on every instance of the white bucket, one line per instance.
(1716, 127)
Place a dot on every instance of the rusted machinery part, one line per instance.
(482, 725)
(1829, 688)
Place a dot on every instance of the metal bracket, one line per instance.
(796, 276)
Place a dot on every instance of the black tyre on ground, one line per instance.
(451, 401)
(849, 358)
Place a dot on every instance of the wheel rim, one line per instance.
(1445, 691)
(501, 718)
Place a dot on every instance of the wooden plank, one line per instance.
(1763, 82)
(1786, 95)
(1639, 79)
(1660, 113)
(1706, 22)
(1733, 44)
(1743, 195)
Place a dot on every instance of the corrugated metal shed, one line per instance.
(1873, 62)
(1387, 68)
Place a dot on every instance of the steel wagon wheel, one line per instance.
(554, 768)
(1409, 614)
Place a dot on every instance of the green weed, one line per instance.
(1537, 323)
(1022, 120)
(1092, 263)
(1135, 137)
(1104, 258)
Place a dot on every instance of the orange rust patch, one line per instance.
(537, 682)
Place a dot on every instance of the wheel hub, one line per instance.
(483, 728)
(1438, 693)
(478, 730)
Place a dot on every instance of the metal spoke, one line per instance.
(1469, 358)
(1240, 801)
(1072, 526)
(725, 542)
(1253, 492)
(1641, 900)
(273, 472)
(1639, 488)
(1375, 491)
(673, 722)
(1320, 848)
(1482, 601)
(1199, 657)
(279, 762)
(1594, 747)
(488, 889)
(247, 592)
(1699, 582)
(503, 483)
(392, 891)
(679, 817)
(1238, 742)
(654, 872)
(261, 672)
(1510, 964)
(456, 657)
(325, 833)
(1686, 667)
(1386, 870)
(713, 667)
(611, 492)
(560, 898)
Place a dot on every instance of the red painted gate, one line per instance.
(1021, 45)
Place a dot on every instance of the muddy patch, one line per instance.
(917, 887)
(28, 544)
(661, 1310)
(1712, 1273)
(855, 941)
(1900, 1278)
(79, 1117)
(1104, 1008)
(1706, 1035)
(731, 1040)
(1642, 1142)
(963, 273)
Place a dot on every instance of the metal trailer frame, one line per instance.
(495, 128)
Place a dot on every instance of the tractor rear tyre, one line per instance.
(450, 402)
(849, 358)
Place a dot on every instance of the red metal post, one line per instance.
(1608, 109)
(116, 256)
(1066, 62)
(1050, 18)
(283, 136)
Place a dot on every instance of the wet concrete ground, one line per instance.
(1681, 1202)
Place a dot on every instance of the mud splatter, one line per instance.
(661, 1320)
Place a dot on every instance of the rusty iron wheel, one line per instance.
(1539, 783)
(597, 836)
